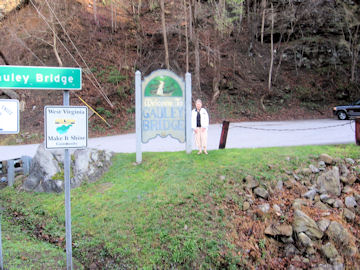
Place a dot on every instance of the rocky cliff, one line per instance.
(316, 33)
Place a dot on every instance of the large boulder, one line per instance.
(329, 182)
(304, 224)
(342, 238)
(250, 182)
(46, 174)
(261, 192)
(329, 251)
(279, 230)
(326, 158)
(43, 167)
(89, 165)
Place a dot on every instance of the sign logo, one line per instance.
(65, 125)
(163, 106)
(163, 86)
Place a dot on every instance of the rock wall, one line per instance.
(314, 33)
(308, 221)
(46, 170)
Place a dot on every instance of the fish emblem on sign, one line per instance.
(163, 86)
(65, 125)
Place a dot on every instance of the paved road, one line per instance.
(241, 135)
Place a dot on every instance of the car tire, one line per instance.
(342, 115)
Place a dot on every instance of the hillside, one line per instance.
(231, 209)
(315, 55)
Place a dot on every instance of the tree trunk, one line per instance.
(196, 46)
(262, 26)
(139, 7)
(95, 13)
(4, 58)
(186, 37)
(115, 16)
(112, 15)
(217, 76)
(55, 41)
(197, 62)
(241, 13)
(354, 54)
(248, 12)
(191, 30)
(263, 7)
(272, 47)
(164, 34)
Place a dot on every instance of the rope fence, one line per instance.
(225, 128)
(291, 129)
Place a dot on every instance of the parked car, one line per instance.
(347, 111)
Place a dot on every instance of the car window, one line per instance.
(357, 102)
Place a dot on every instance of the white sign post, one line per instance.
(66, 127)
(9, 116)
(61, 136)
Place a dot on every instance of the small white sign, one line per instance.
(66, 127)
(9, 116)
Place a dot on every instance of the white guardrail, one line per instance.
(9, 168)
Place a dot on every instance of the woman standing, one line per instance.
(200, 124)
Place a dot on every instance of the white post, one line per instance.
(138, 94)
(188, 102)
(66, 100)
(11, 172)
(1, 255)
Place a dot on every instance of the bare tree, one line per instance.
(195, 41)
(95, 13)
(217, 76)
(162, 5)
(263, 7)
(54, 45)
(355, 47)
(112, 15)
(272, 47)
(4, 58)
(186, 37)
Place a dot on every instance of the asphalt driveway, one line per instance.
(240, 135)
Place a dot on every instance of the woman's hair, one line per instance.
(198, 100)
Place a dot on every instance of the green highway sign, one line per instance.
(53, 78)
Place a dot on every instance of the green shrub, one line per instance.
(115, 76)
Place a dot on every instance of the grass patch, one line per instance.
(21, 251)
(165, 213)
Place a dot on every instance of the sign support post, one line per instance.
(66, 101)
(1, 255)
(53, 78)
(138, 116)
(357, 131)
(188, 97)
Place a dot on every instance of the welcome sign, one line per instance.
(163, 106)
(55, 78)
